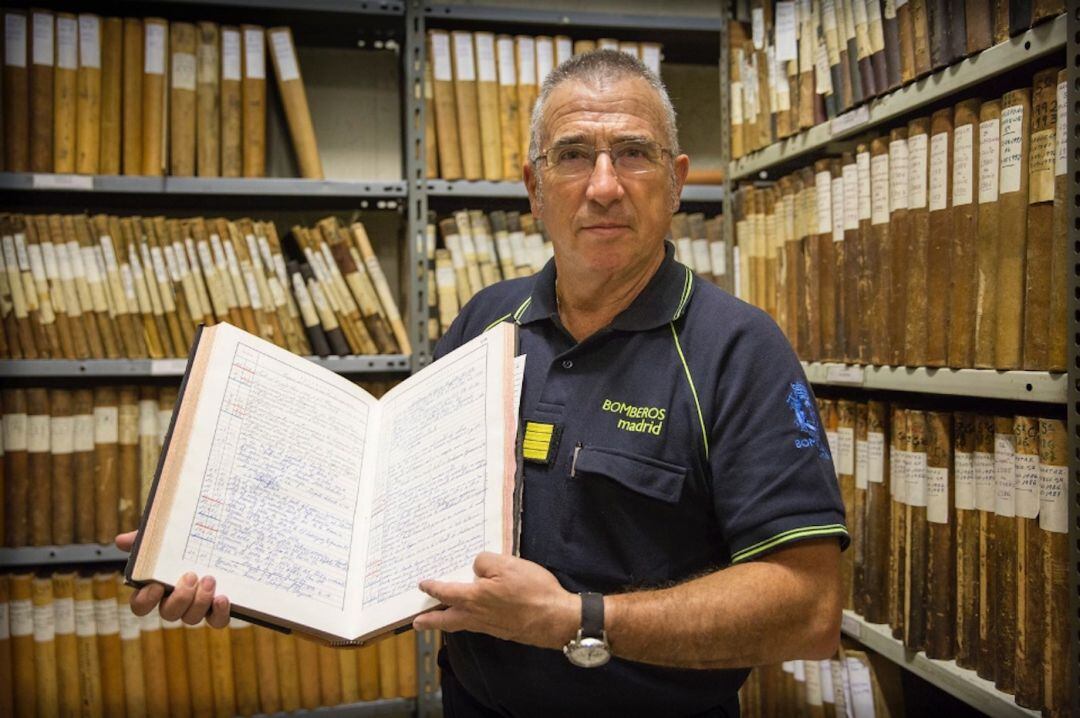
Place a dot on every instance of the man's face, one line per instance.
(605, 221)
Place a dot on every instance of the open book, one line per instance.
(318, 507)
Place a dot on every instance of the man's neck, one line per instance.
(589, 301)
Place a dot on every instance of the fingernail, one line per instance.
(190, 579)
(208, 583)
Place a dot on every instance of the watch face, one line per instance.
(588, 652)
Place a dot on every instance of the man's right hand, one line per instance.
(191, 600)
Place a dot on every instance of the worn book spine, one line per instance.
(848, 258)
(91, 675)
(388, 678)
(154, 94)
(898, 468)
(966, 541)
(180, 700)
(21, 618)
(880, 266)
(463, 64)
(82, 411)
(67, 652)
(857, 518)
(288, 668)
(445, 105)
(843, 452)
(825, 263)
(431, 143)
(263, 671)
(920, 21)
(986, 249)
(1019, 16)
(509, 109)
(221, 671)
(876, 515)
(329, 676)
(1030, 579)
(16, 468)
(197, 650)
(39, 462)
(152, 647)
(1053, 520)
(812, 265)
(941, 594)
(962, 261)
(182, 116)
(369, 672)
(1057, 334)
(106, 455)
(107, 623)
(129, 508)
(131, 652)
(1004, 544)
(297, 112)
(43, 621)
(406, 664)
(208, 101)
(916, 546)
(736, 38)
(88, 95)
(382, 288)
(65, 81)
(878, 60)
(938, 20)
(867, 253)
(1012, 223)
(807, 96)
(1040, 221)
(132, 86)
(978, 25)
(112, 88)
(245, 668)
(898, 246)
(941, 238)
(1045, 9)
(858, 94)
(41, 56)
(487, 100)
(253, 100)
(915, 292)
(307, 660)
(61, 446)
(16, 89)
(891, 26)
(232, 104)
(350, 677)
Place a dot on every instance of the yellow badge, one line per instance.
(541, 441)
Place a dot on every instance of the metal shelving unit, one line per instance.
(959, 682)
(225, 186)
(538, 16)
(147, 368)
(53, 555)
(1017, 51)
(703, 193)
(1041, 386)
(361, 7)
(1072, 488)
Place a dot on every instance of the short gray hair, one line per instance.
(597, 67)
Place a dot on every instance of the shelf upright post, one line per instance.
(413, 60)
(1073, 173)
(725, 151)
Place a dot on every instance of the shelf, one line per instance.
(951, 678)
(579, 19)
(705, 193)
(236, 187)
(146, 368)
(358, 7)
(48, 555)
(1037, 42)
(365, 709)
(1041, 386)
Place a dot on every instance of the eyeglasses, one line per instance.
(629, 157)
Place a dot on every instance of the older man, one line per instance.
(681, 516)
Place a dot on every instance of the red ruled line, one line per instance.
(208, 528)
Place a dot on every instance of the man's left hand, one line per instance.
(510, 598)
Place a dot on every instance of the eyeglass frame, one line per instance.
(598, 150)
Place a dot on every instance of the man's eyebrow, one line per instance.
(570, 140)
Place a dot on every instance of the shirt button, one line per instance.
(567, 364)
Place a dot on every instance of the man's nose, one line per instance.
(604, 187)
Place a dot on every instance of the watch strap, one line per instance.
(592, 615)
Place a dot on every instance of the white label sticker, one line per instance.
(230, 55)
(736, 103)
(545, 58)
(105, 616)
(1004, 475)
(862, 689)
(285, 55)
(485, 57)
(823, 185)
(129, 623)
(64, 610)
(983, 464)
(939, 171)
(37, 434)
(898, 175)
(786, 42)
(845, 450)
(152, 621)
(937, 495)
(14, 39)
(183, 71)
(650, 56)
(154, 49)
(67, 43)
(22, 256)
(965, 480)
(963, 165)
(879, 179)
(5, 622)
(440, 57)
(718, 257)
(464, 68)
(90, 41)
(876, 456)
(1027, 485)
(1012, 147)
(827, 693)
(851, 196)
(44, 623)
(862, 170)
(37, 263)
(85, 622)
(507, 71)
(988, 161)
(526, 56)
(22, 618)
(757, 27)
(838, 208)
(1062, 129)
(15, 432)
(106, 424)
(799, 671)
(917, 161)
(254, 55)
(84, 432)
(915, 492)
(62, 435)
(862, 464)
(43, 39)
(1053, 501)
(564, 50)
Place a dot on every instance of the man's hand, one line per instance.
(510, 598)
(191, 600)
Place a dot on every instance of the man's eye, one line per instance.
(570, 154)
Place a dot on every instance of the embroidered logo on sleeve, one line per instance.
(806, 421)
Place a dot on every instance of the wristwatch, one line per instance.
(590, 649)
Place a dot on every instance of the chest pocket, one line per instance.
(629, 520)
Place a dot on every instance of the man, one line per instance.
(680, 510)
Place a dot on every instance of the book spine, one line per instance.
(877, 515)
(877, 45)
(88, 97)
(287, 662)
(465, 94)
(939, 247)
(245, 668)
(62, 447)
(1012, 223)
(487, 98)
(41, 57)
(1005, 577)
(91, 675)
(941, 593)
(857, 518)
(986, 251)
(406, 665)
(221, 671)
(347, 670)
(388, 678)
(133, 65)
(1058, 320)
(1019, 16)
(16, 93)
(1053, 520)
(39, 461)
(916, 547)
(294, 98)
(891, 26)
(232, 133)
(129, 508)
(978, 22)
(369, 672)
(920, 22)
(1030, 578)
(130, 651)
(431, 142)
(65, 84)
(179, 692)
(67, 652)
(182, 118)
(444, 108)
(154, 97)
(16, 467)
(148, 444)
(985, 493)
(82, 410)
(899, 240)
(823, 181)
(897, 587)
(107, 624)
(197, 650)
(880, 265)
(112, 88)
(307, 661)
(44, 637)
(329, 676)
(938, 21)
(208, 101)
(106, 455)
(21, 617)
(527, 89)
(253, 99)
(843, 451)
(963, 279)
(966, 537)
(915, 315)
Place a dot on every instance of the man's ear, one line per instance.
(528, 174)
(681, 167)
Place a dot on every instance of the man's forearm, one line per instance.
(783, 607)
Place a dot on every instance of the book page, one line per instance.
(444, 478)
(270, 482)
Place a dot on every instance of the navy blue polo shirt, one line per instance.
(686, 439)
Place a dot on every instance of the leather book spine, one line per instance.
(878, 61)
(21, 636)
(852, 319)
(898, 524)
(1012, 226)
(208, 101)
(916, 548)
(915, 316)
(221, 671)
(941, 594)
(875, 599)
(16, 89)
(898, 246)
(978, 22)
(1019, 16)
(286, 661)
(967, 540)
(197, 650)
(41, 59)
(838, 262)
(985, 494)
(179, 692)
(986, 249)
(44, 637)
(132, 86)
(244, 667)
(16, 468)
(182, 116)
(939, 247)
(891, 28)
(65, 82)
(107, 622)
(112, 89)
(154, 95)
(487, 102)
(232, 103)
(920, 22)
(509, 109)
(1053, 520)
(963, 279)
(865, 51)
(938, 20)
(67, 652)
(1030, 578)
(880, 259)
(1059, 300)
(88, 97)
(253, 100)
(867, 253)
(39, 460)
(1005, 578)
(825, 261)
(61, 447)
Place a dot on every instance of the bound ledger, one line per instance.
(319, 508)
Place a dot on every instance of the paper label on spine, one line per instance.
(757, 27)
(1053, 500)
(917, 161)
(464, 68)
(22, 618)
(230, 55)
(67, 43)
(650, 56)
(285, 55)
(105, 616)
(154, 49)
(152, 621)
(183, 71)
(898, 175)
(64, 611)
(485, 57)
(507, 71)
(85, 622)
(1041, 166)
(37, 263)
(21, 255)
(875, 441)
(915, 491)
(786, 41)
(862, 464)
(989, 161)
(37, 433)
(44, 623)
(851, 196)
(526, 57)
(863, 185)
(15, 430)
(1004, 475)
(823, 185)
(84, 432)
(14, 39)
(736, 103)
(937, 495)
(254, 55)
(963, 165)
(838, 208)
(564, 50)
(106, 424)
(440, 57)
(827, 694)
(964, 468)
(1026, 467)
(845, 450)
(129, 623)
(1012, 147)
(813, 683)
(62, 435)
(879, 178)
(1062, 129)
(90, 41)
(5, 622)
(939, 171)
(43, 39)
(545, 58)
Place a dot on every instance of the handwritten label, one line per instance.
(786, 42)
(939, 171)
(917, 164)
(862, 170)
(43, 39)
(84, 433)
(937, 495)
(963, 165)
(154, 49)
(464, 68)
(898, 175)
(67, 43)
(545, 58)
(183, 71)
(37, 433)
(1004, 475)
(44, 623)
(485, 57)
(1053, 501)
(916, 491)
(64, 610)
(1062, 129)
(129, 623)
(105, 615)
(14, 39)
(507, 72)
(879, 179)
(90, 41)
(823, 185)
(285, 54)
(85, 623)
(254, 55)
(850, 178)
(838, 208)
(848, 121)
(985, 484)
(862, 464)
(526, 55)
(875, 441)
(757, 27)
(22, 618)
(989, 161)
(15, 431)
(1027, 475)
(862, 689)
(1012, 147)
(965, 480)
(845, 450)
(230, 55)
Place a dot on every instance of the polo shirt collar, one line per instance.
(663, 300)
